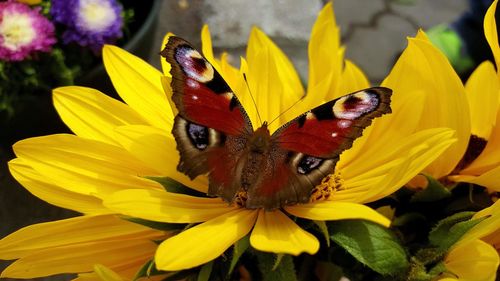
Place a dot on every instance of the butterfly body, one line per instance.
(215, 137)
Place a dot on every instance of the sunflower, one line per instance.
(119, 153)
(481, 165)
(475, 256)
(74, 245)
(472, 111)
(360, 177)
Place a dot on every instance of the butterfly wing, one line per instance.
(306, 149)
(211, 128)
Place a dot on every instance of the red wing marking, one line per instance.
(327, 130)
(204, 107)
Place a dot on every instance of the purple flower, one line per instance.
(91, 23)
(23, 31)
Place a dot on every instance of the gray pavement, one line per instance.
(374, 31)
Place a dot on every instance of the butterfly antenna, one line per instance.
(281, 114)
(254, 103)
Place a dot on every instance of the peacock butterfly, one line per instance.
(214, 135)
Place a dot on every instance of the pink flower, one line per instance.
(23, 31)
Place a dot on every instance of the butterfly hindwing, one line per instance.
(306, 149)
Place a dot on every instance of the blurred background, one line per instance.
(373, 31)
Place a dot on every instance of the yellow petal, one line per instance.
(158, 205)
(156, 147)
(352, 79)
(331, 210)
(91, 114)
(423, 69)
(206, 47)
(488, 226)
(325, 55)
(46, 190)
(482, 90)
(30, 2)
(490, 31)
(82, 165)
(231, 75)
(126, 271)
(139, 85)
(204, 242)
(380, 139)
(488, 179)
(106, 274)
(271, 77)
(475, 260)
(165, 66)
(81, 258)
(425, 146)
(74, 231)
(417, 158)
(275, 232)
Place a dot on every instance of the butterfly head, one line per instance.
(261, 139)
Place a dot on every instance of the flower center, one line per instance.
(96, 15)
(327, 187)
(474, 149)
(16, 31)
(241, 199)
(322, 191)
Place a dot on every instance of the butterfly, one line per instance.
(214, 135)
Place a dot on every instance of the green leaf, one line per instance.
(284, 272)
(181, 275)
(417, 271)
(174, 186)
(157, 225)
(205, 272)
(239, 248)
(449, 230)
(438, 269)
(371, 244)
(277, 262)
(433, 192)
(408, 218)
(324, 230)
(147, 270)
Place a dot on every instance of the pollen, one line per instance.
(327, 187)
(240, 199)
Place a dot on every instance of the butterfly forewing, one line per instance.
(200, 93)
(331, 128)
